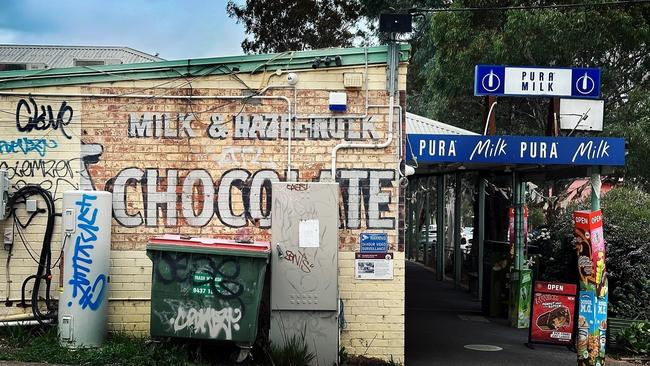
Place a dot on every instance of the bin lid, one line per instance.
(178, 243)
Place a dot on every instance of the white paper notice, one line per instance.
(308, 234)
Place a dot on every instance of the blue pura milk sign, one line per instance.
(536, 81)
(517, 150)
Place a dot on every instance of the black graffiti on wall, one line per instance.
(55, 175)
(28, 117)
(201, 275)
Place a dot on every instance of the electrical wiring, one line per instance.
(182, 77)
(167, 91)
(31, 217)
(529, 7)
(65, 240)
(43, 271)
(28, 247)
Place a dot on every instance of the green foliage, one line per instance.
(626, 221)
(370, 361)
(614, 38)
(343, 355)
(42, 345)
(626, 212)
(558, 260)
(289, 25)
(294, 352)
(636, 338)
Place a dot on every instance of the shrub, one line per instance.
(626, 212)
(294, 352)
(636, 338)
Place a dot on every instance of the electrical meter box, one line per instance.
(304, 266)
(4, 193)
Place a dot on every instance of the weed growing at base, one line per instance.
(42, 345)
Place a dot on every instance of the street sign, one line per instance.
(373, 242)
(477, 149)
(581, 114)
(536, 81)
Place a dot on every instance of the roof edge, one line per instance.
(77, 47)
(290, 60)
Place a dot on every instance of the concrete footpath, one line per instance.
(441, 321)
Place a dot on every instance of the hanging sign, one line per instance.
(536, 81)
(516, 149)
(553, 308)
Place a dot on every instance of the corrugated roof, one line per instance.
(64, 56)
(292, 60)
(418, 125)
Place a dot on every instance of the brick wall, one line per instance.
(201, 168)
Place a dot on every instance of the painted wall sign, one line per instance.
(373, 242)
(536, 81)
(517, 150)
(553, 308)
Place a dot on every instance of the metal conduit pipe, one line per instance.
(15, 317)
(389, 137)
(24, 323)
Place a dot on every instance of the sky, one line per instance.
(178, 29)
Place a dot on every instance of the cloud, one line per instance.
(175, 29)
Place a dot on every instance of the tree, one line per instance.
(626, 218)
(615, 38)
(288, 25)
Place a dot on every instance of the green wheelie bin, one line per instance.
(205, 288)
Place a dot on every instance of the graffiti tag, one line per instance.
(300, 260)
(89, 296)
(26, 145)
(207, 321)
(45, 119)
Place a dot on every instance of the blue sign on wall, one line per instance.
(480, 149)
(373, 243)
(536, 81)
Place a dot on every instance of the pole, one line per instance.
(418, 232)
(553, 116)
(457, 214)
(519, 223)
(481, 234)
(440, 225)
(595, 188)
(427, 213)
(489, 116)
(409, 222)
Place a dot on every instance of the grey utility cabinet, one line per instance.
(304, 266)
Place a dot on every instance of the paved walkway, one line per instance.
(441, 320)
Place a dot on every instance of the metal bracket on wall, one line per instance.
(391, 66)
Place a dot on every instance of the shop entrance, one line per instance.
(469, 273)
(462, 248)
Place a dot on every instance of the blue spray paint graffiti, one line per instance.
(27, 145)
(90, 296)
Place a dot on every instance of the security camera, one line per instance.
(292, 78)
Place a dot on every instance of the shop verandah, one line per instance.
(476, 244)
